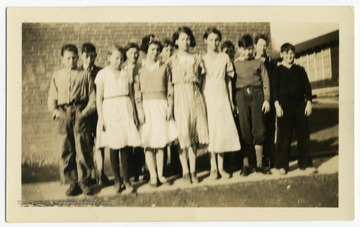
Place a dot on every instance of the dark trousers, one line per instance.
(76, 147)
(251, 118)
(174, 167)
(293, 118)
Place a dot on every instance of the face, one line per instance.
(247, 52)
(261, 47)
(88, 59)
(213, 41)
(153, 52)
(183, 42)
(69, 59)
(288, 57)
(115, 59)
(167, 52)
(229, 51)
(132, 55)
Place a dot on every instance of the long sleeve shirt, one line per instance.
(252, 73)
(291, 84)
(69, 87)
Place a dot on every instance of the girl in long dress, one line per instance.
(189, 107)
(219, 103)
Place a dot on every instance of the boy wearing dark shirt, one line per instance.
(292, 100)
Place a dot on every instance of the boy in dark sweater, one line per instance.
(292, 100)
(253, 101)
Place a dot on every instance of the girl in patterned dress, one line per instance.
(116, 124)
(189, 107)
(154, 104)
(219, 103)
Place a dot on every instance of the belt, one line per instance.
(73, 104)
(251, 89)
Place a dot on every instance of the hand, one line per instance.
(141, 117)
(308, 108)
(169, 114)
(102, 125)
(57, 114)
(265, 106)
(279, 110)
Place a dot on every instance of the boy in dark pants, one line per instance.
(261, 44)
(252, 98)
(88, 56)
(71, 101)
(292, 96)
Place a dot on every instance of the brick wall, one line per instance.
(41, 43)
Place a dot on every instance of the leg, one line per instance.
(175, 161)
(213, 166)
(150, 163)
(139, 161)
(302, 131)
(222, 171)
(160, 165)
(259, 155)
(258, 127)
(84, 154)
(184, 165)
(115, 165)
(192, 161)
(243, 102)
(284, 135)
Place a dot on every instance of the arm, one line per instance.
(132, 98)
(275, 89)
(266, 88)
(170, 94)
(308, 94)
(91, 105)
(99, 103)
(230, 73)
(53, 99)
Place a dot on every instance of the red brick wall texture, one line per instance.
(41, 43)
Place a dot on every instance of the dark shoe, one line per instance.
(194, 178)
(263, 170)
(86, 189)
(245, 171)
(119, 187)
(104, 180)
(186, 178)
(73, 190)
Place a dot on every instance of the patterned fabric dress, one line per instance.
(189, 106)
(222, 129)
(153, 96)
(117, 111)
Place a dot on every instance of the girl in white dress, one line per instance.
(116, 124)
(219, 103)
(154, 104)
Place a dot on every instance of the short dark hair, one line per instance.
(188, 32)
(212, 30)
(245, 41)
(69, 47)
(286, 47)
(150, 39)
(227, 44)
(88, 48)
(167, 42)
(261, 36)
(131, 45)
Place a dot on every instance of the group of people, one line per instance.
(138, 106)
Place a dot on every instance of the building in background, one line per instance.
(320, 58)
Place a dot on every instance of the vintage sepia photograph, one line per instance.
(188, 108)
